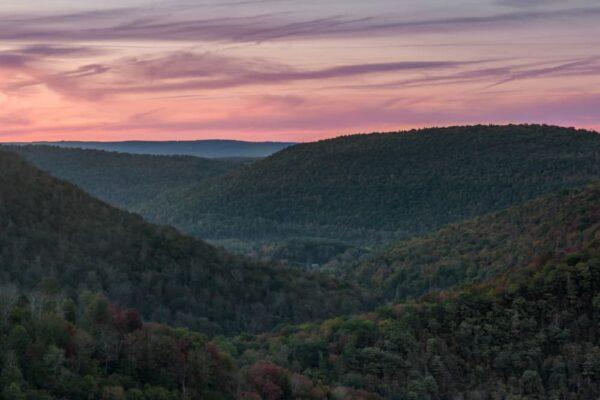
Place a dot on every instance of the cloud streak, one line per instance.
(149, 25)
(497, 75)
(185, 71)
(310, 116)
(292, 69)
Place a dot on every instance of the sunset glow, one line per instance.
(291, 70)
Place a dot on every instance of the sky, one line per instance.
(292, 70)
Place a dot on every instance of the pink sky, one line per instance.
(291, 70)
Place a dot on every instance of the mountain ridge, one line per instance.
(377, 187)
(479, 249)
(53, 230)
(211, 148)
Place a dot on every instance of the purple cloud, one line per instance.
(140, 24)
(48, 50)
(498, 75)
(185, 71)
(35, 54)
(13, 60)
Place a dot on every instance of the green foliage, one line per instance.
(302, 252)
(105, 359)
(518, 316)
(528, 334)
(124, 180)
(373, 188)
(54, 237)
(343, 194)
(476, 250)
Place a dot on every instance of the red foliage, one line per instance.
(71, 346)
(268, 379)
(125, 321)
(133, 320)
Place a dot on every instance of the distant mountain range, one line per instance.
(198, 148)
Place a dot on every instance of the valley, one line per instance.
(492, 295)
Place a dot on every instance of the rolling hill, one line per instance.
(369, 189)
(355, 191)
(198, 148)
(511, 307)
(477, 250)
(50, 230)
(124, 180)
(528, 334)
(510, 310)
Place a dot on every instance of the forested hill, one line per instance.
(532, 334)
(381, 186)
(478, 249)
(51, 230)
(124, 180)
(198, 148)
(528, 334)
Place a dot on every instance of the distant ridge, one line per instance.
(378, 187)
(199, 148)
(123, 179)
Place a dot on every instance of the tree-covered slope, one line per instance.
(51, 229)
(366, 188)
(54, 347)
(124, 180)
(529, 334)
(532, 333)
(478, 249)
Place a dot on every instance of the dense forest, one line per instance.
(97, 304)
(305, 203)
(531, 333)
(475, 250)
(124, 180)
(49, 229)
(372, 188)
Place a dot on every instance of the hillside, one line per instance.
(526, 328)
(197, 148)
(51, 230)
(532, 334)
(124, 180)
(529, 334)
(373, 188)
(478, 249)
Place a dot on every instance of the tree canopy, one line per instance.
(51, 229)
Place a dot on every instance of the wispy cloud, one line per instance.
(529, 3)
(186, 71)
(294, 67)
(19, 57)
(339, 116)
(499, 74)
(140, 24)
